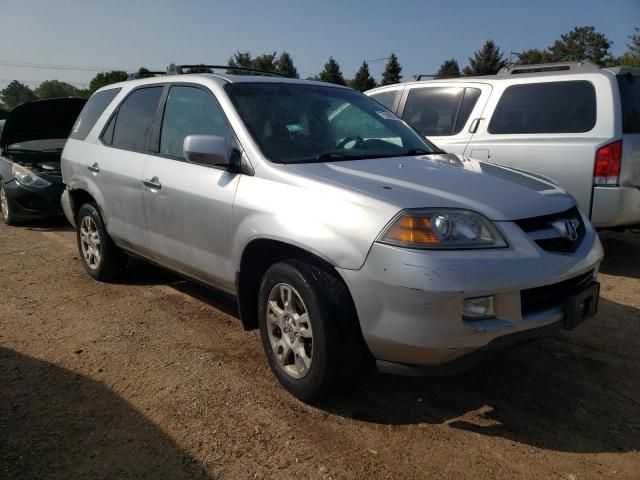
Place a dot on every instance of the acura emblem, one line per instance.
(570, 228)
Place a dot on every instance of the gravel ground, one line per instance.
(153, 377)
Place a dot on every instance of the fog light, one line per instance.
(480, 307)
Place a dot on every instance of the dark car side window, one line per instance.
(129, 128)
(553, 107)
(89, 115)
(386, 99)
(440, 111)
(629, 86)
(190, 111)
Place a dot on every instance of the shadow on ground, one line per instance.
(621, 254)
(59, 224)
(566, 393)
(55, 423)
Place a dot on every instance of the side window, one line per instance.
(190, 111)
(91, 112)
(387, 98)
(433, 110)
(134, 119)
(554, 107)
(469, 101)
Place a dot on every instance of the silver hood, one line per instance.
(445, 180)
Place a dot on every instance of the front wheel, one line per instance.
(308, 329)
(7, 215)
(101, 258)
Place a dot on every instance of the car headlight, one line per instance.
(26, 177)
(442, 229)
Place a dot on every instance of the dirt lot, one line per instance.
(154, 377)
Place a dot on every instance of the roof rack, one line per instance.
(144, 74)
(420, 76)
(547, 67)
(179, 69)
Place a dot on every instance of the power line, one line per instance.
(48, 66)
(38, 82)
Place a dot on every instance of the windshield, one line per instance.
(297, 123)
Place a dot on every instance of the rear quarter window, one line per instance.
(553, 107)
(89, 115)
(387, 98)
(629, 86)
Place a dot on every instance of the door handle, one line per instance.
(94, 168)
(152, 183)
(474, 125)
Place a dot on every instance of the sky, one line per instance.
(107, 34)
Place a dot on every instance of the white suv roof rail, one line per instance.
(547, 67)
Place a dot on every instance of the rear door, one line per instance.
(445, 113)
(629, 86)
(116, 171)
(188, 206)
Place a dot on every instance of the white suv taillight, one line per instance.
(607, 169)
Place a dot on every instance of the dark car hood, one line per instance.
(446, 180)
(42, 119)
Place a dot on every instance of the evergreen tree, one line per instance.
(449, 69)
(332, 73)
(15, 94)
(582, 44)
(632, 56)
(285, 66)
(634, 46)
(486, 61)
(363, 80)
(534, 55)
(392, 71)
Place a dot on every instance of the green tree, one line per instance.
(106, 78)
(632, 57)
(582, 44)
(363, 80)
(266, 62)
(15, 94)
(331, 72)
(449, 69)
(486, 61)
(55, 89)
(285, 66)
(392, 71)
(240, 59)
(534, 55)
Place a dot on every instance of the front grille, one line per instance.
(549, 232)
(549, 296)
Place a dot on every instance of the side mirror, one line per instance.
(210, 150)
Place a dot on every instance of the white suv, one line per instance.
(579, 126)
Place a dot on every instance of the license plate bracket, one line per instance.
(581, 306)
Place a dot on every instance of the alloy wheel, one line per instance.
(90, 243)
(289, 328)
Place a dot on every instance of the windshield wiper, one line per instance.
(421, 151)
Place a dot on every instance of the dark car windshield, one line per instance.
(298, 123)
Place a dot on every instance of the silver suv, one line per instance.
(575, 124)
(345, 236)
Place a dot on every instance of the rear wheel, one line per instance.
(101, 258)
(309, 329)
(7, 215)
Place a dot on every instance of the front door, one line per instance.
(188, 206)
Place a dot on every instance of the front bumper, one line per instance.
(615, 207)
(34, 203)
(409, 302)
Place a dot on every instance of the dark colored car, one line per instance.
(31, 143)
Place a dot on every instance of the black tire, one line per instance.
(112, 261)
(7, 215)
(339, 353)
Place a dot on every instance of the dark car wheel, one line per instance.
(309, 329)
(101, 258)
(7, 215)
